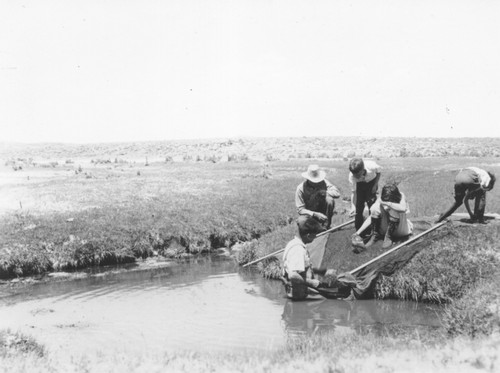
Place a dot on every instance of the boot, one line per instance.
(389, 235)
(375, 235)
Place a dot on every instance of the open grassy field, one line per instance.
(60, 218)
(65, 207)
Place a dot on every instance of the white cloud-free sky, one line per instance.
(130, 70)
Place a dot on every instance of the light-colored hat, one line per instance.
(314, 174)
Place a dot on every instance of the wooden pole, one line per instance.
(398, 247)
(281, 250)
(264, 257)
(335, 228)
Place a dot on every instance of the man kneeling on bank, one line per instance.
(298, 273)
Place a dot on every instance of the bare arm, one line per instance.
(353, 201)
(366, 224)
(402, 206)
(310, 280)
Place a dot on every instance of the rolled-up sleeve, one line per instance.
(484, 179)
(299, 202)
(332, 190)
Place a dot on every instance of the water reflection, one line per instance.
(312, 316)
(381, 317)
(202, 304)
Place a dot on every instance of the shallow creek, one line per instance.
(205, 304)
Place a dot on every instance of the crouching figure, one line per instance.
(471, 183)
(387, 221)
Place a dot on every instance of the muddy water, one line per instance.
(208, 304)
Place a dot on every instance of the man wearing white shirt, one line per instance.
(298, 273)
(364, 177)
(471, 183)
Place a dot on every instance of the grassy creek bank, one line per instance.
(68, 220)
(119, 216)
(169, 212)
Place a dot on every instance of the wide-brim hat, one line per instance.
(314, 174)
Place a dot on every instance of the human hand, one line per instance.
(321, 217)
(352, 213)
(331, 272)
(314, 283)
(385, 205)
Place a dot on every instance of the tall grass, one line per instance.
(328, 352)
(446, 269)
(16, 345)
(476, 313)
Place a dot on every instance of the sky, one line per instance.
(139, 70)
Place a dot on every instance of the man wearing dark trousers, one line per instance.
(363, 177)
(471, 183)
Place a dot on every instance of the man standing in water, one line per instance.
(298, 273)
(315, 196)
(471, 183)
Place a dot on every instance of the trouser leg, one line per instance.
(375, 235)
(389, 234)
(479, 206)
(360, 206)
(364, 195)
(375, 215)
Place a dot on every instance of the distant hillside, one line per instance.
(259, 149)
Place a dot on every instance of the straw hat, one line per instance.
(314, 174)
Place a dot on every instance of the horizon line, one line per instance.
(236, 138)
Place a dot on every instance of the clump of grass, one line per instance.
(19, 260)
(446, 269)
(248, 253)
(13, 344)
(477, 312)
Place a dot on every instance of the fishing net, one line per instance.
(335, 251)
(355, 275)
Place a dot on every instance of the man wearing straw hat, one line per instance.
(315, 196)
